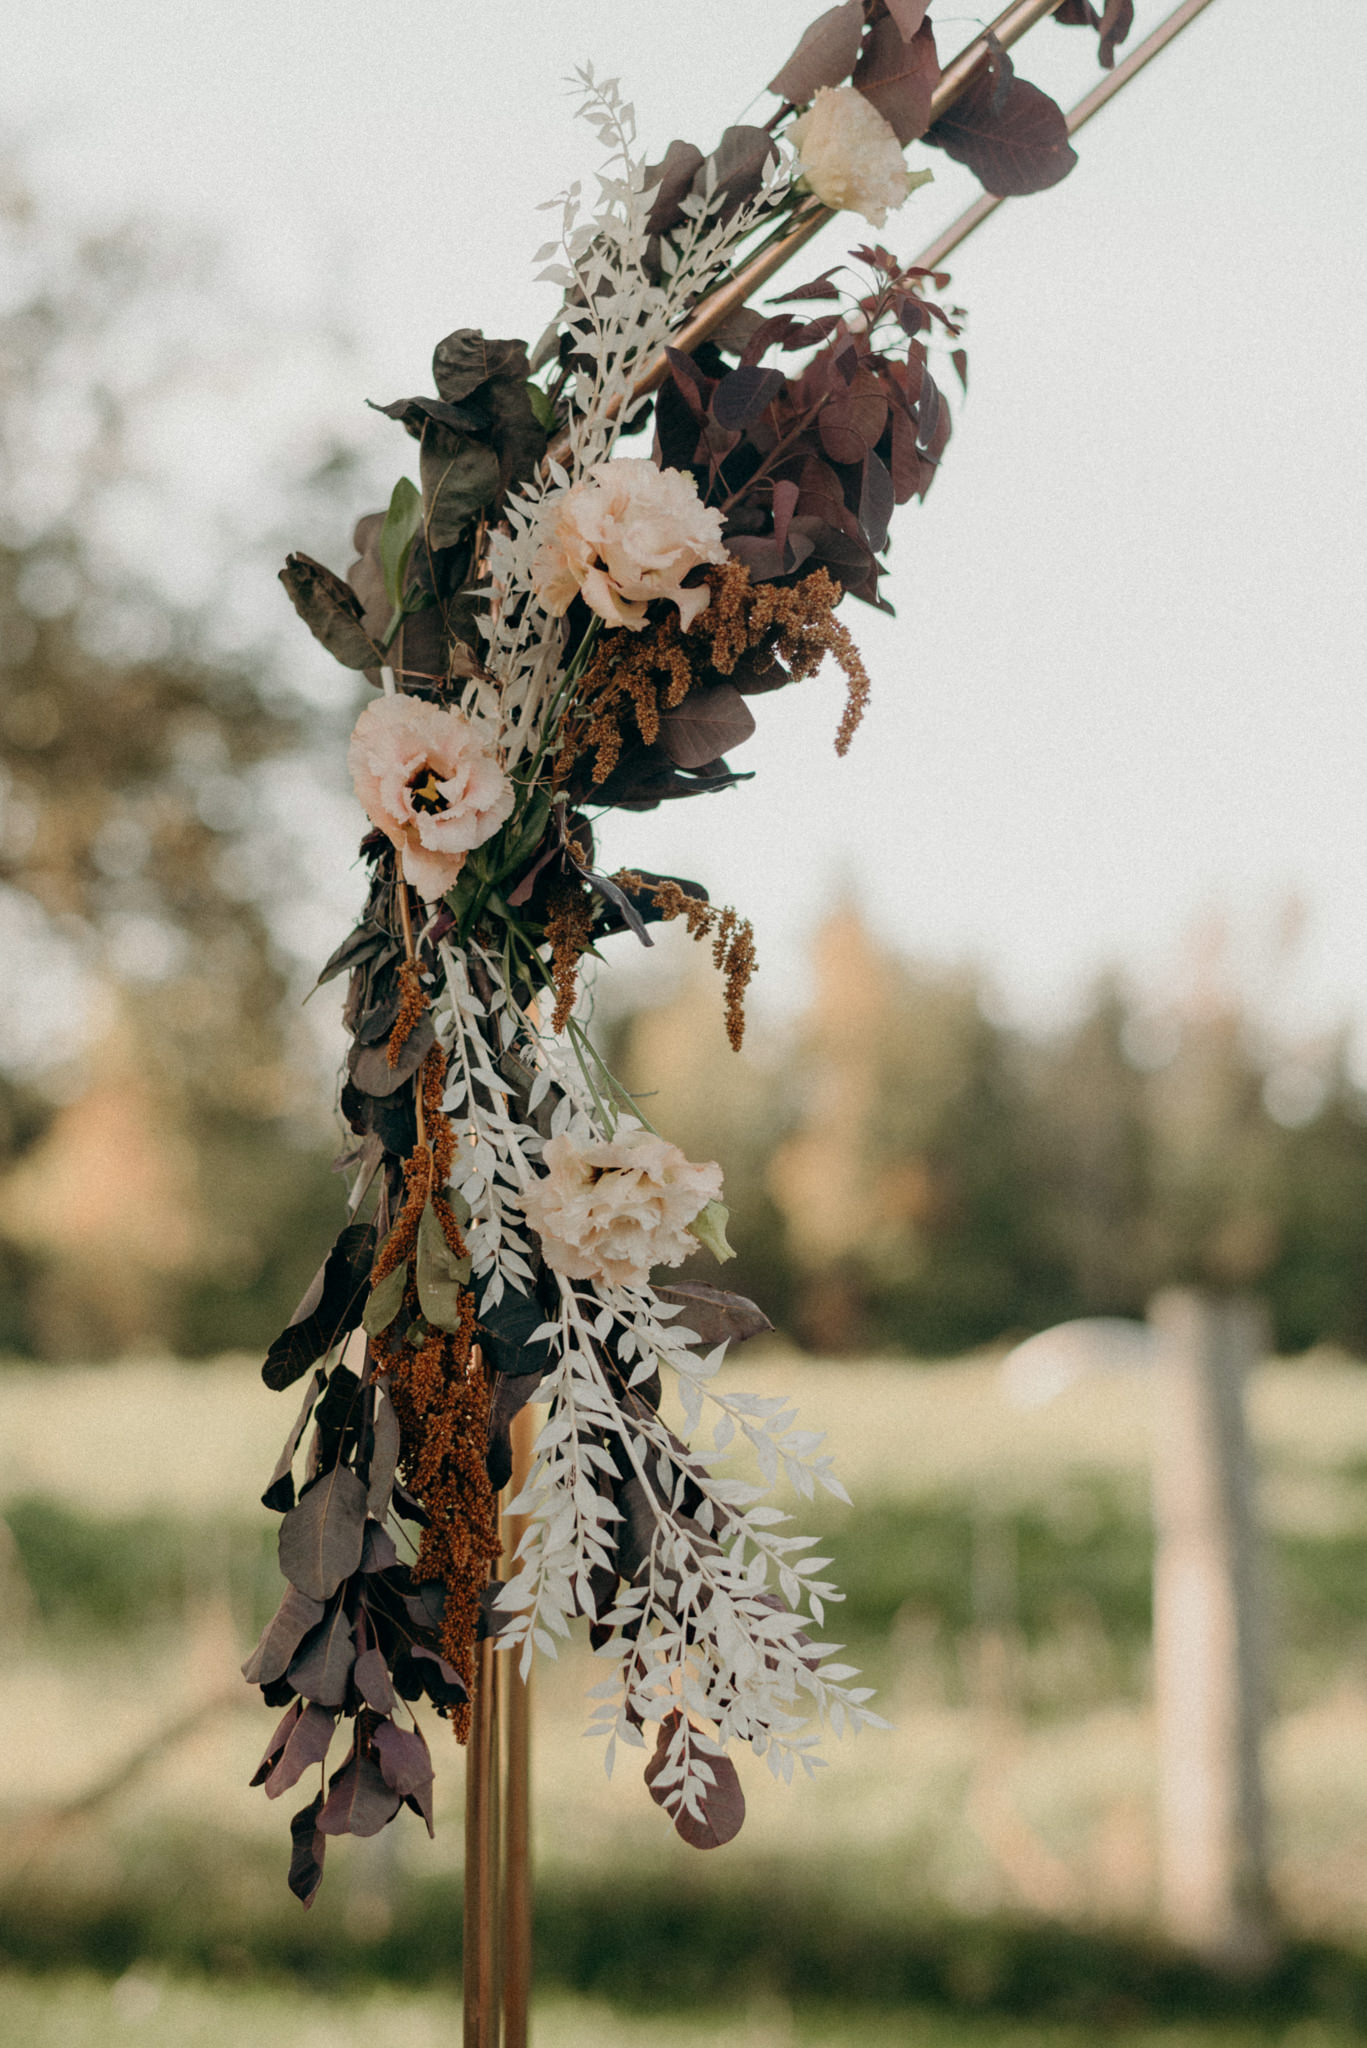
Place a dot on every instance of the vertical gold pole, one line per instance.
(517, 1867)
(482, 1900)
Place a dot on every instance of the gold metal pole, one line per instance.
(480, 1906)
(517, 1865)
(1008, 28)
(1144, 53)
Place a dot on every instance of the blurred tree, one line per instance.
(134, 884)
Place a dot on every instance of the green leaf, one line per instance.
(441, 1275)
(542, 407)
(386, 1299)
(402, 524)
(709, 1227)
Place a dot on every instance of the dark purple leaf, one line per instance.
(1014, 141)
(673, 176)
(373, 1682)
(825, 55)
(313, 1331)
(378, 1553)
(742, 396)
(426, 1606)
(359, 1802)
(908, 14)
(692, 385)
(307, 1745)
(274, 1747)
(506, 1328)
(415, 413)
(281, 1637)
(722, 1802)
(331, 610)
(279, 1494)
(307, 1852)
(784, 506)
(706, 725)
(369, 1065)
(714, 1315)
(384, 1456)
(362, 944)
(405, 1760)
(511, 1394)
(898, 76)
(739, 158)
(323, 1664)
(876, 501)
(321, 1539)
(419, 1670)
(848, 427)
(823, 287)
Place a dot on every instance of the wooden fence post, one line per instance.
(1208, 1631)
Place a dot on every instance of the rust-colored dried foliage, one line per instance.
(413, 1002)
(732, 937)
(441, 1398)
(639, 676)
(569, 929)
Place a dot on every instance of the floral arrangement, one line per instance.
(616, 542)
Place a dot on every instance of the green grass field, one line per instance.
(982, 1874)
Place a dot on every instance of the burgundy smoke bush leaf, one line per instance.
(784, 506)
(706, 725)
(714, 1315)
(359, 1802)
(418, 1670)
(364, 943)
(741, 397)
(275, 1746)
(307, 1745)
(898, 76)
(335, 1312)
(1015, 141)
(693, 387)
(384, 1456)
(850, 426)
(739, 158)
(1113, 26)
(281, 1637)
(323, 1664)
(405, 1760)
(369, 1065)
(722, 1802)
(279, 1494)
(908, 14)
(331, 610)
(426, 1605)
(308, 1850)
(378, 1553)
(373, 1682)
(321, 1539)
(876, 500)
(825, 55)
(673, 176)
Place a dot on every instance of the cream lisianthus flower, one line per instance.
(627, 532)
(430, 780)
(851, 157)
(611, 1208)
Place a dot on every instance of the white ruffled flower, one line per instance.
(611, 1208)
(626, 533)
(851, 157)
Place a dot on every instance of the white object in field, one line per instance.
(1208, 1626)
(1046, 1365)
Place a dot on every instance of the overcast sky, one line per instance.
(1123, 689)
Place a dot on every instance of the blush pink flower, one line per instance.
(626, 533)
(429, 779)
(611, 1208)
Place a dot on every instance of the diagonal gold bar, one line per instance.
(1144, 53)
(1009, 26)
